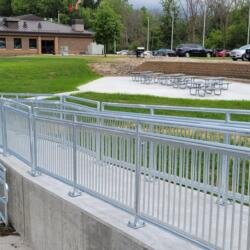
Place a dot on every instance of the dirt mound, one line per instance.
(121, 67)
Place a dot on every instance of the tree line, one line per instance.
(119, 25)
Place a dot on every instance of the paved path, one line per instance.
(124, 85)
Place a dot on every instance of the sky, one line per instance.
(152, 4)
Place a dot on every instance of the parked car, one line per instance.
(122, 52)
(188, 50)
(147, 53)
(248, 54)
(164, 52)
(140, 51)
(221, 53)
(240, 53)
(131, 53)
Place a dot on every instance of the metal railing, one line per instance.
(153, 109)
(4, 191)
(187, 177)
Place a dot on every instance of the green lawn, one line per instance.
(43, 74)
(143, 99)
(50, 74)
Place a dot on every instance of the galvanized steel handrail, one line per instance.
(216, 127)
(85, 100)
(153, 108)
(214, 146)
(26, 95)
(178, 183)
(101, 106)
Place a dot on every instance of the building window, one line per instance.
(32, 43)
(2, 43)
(17, 43)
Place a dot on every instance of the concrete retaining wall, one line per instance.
(239, 70)
(48, 219)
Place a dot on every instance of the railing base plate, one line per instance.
(34, 173)
(136, 224)
(74, 194)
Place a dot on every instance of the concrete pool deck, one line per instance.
(125, 85)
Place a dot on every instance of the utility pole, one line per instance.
(114, 46)
(58, 16)
(148, 36)
(204, 24)
(172, 33)
(248, 31)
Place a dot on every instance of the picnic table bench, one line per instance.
(197, 85)
(208, 85)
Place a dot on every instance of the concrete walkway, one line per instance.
(13, 242)
(125, 85)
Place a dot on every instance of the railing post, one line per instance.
(4, 129)
(102, 107)
(62, 101)
(224, 175)
(228, 117)
(137, 222)
(152, 164)
(75, 192)
(33, 144)
(98, 134)
(99, 107)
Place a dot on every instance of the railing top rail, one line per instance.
(82, 99)
(10, 101)
(25, 94)
(56, 102)
(153, 121)
(184, 119)
(139, 106)
(177, 108)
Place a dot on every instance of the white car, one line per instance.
(240, 53)
(147, 53)
(122, 52)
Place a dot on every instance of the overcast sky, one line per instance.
(153, 4)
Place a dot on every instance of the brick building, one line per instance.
(29, 35)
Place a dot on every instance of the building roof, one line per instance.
(33, 24)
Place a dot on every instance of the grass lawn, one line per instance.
(43, 74)
(143, 99)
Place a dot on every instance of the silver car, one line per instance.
(240, 53)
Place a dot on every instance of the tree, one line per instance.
(215, 39)
(170, 10)
(5, 8)
(88, 16)
(125, 11)
(50, 8)
(21, 7)
(107, 25)
(91, 4)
